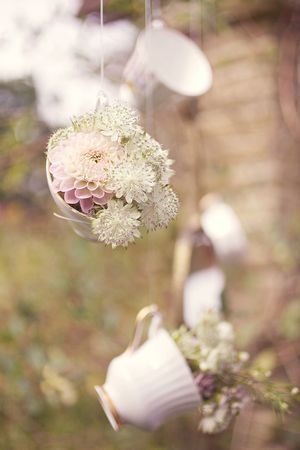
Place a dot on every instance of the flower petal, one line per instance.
(70, 197)
(98, 192)
(56, 185)
(60, 173)
(67, 185)
(92, 185)
(82, 193)
(103, 200)
(86, 204)
(54, 167)
(80, 184)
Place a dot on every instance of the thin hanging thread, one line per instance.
(149, 123)
(102, 45)
(156, 9)
(195, 19)
(149, 97)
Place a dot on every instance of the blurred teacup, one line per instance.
(223, 227)
(202, 292)
(165, 56)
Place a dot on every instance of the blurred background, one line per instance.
(68, 306)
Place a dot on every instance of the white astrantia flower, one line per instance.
(143, 146)
(160, 209)
(60, 135)
(85, 123)
(166, 172)
(117, 225)
(117, 121)
(131, 179)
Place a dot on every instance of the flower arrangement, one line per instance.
(225, 380)
(106, 167)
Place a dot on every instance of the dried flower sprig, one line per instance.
(226, 381)
(280, 396)
(109, 169)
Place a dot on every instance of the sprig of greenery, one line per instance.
(280, 396)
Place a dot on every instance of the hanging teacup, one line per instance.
(109, 178)
(165, 56)
(150, 382)
(202, 292)
(223, 227)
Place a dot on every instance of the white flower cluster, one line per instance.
(211, 345)
(217, 351)
(117, 223)
(132, 189)
(219, 412)
(116, 120)
(210, 351)
(223, 380)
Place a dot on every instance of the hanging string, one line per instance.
(156, 9)
(148, 93)
(196, 19)
(149, 128)
(102, 98)
(102, 45)
(202, 23)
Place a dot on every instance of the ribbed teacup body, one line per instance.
(152, 384)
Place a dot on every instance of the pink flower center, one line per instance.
(94, 155)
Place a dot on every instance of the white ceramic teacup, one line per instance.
(150, 382)
(223, 227)
(202, 292)
(80, 223)
(165, 56)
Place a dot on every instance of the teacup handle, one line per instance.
(145, 313)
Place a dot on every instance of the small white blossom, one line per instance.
(225, 332)
(166, 172)
(130, 179)
(206, 329)
(216, 421)
(143, 146)
(208, 424)
(118, 121)
(115, 120)
(295, 391)
(208, 408)
(117, 224)
(59, 135)
(217, 351)
(243, 356)
(160, 209)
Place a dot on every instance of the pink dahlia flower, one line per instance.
(78, 165)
